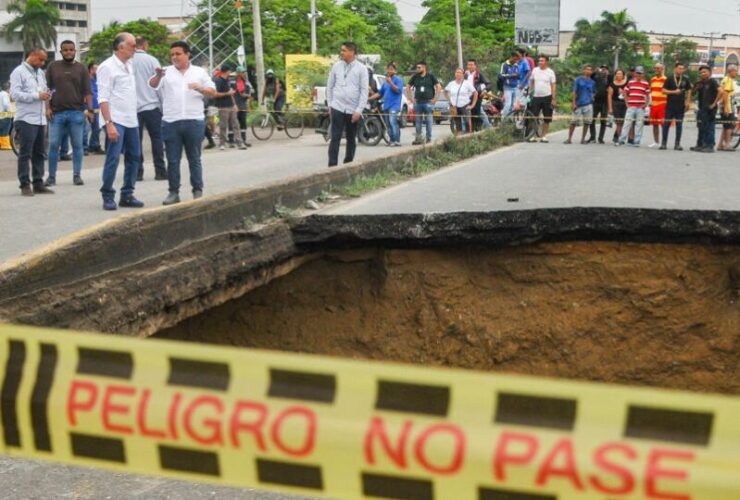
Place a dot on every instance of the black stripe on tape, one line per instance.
(674, 426)
(105, 363)
(378, 485)
(99, 448)
(201, 374)
(9, 392)
(187, 460)
(535, 411)
(289, 474)
(413, 398)
(303, 386)
(40, 397)
(499, 494)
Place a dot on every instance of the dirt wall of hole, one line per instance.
(645, 314)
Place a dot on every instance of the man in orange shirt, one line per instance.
(659, 101)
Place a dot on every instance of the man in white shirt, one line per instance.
(346, 94)
(544, 98)
(183, 88)
(116, 94)
(148, 108)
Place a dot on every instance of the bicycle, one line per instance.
(265, 122)
(525, 122)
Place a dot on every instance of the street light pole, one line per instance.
(313, 27)
(459, 34)
(258, 54)
(210, 37)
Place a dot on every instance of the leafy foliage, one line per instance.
(156, 33)
(34, 22)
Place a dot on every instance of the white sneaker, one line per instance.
(222, 148)
(544, 139)
(654, 145)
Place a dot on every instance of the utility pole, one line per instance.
(313, 27)
(710, 59)
(210, 37)
(258, 54)
(459, 34)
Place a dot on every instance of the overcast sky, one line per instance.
(669, 16)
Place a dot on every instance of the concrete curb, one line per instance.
(124, 241)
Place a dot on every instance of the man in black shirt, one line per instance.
(709, 94)
(227, 109)
(601, 103)
(426, 90)
(678, 90)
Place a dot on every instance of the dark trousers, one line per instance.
(187, 134)
(342, 122)
(241, 118)
(33, 152)
(151, 119)
(475, 113)
(707, 121)
(601, 109)
(670, 115)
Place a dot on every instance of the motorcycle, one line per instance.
(493, 106)
(370, 131)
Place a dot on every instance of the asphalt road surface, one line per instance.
(28, 223)
(555, 175)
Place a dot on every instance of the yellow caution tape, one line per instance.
(343, 428)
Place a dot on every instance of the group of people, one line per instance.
(125, 95)
(629, 101)
(350, 87)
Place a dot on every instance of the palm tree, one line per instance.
(35, 23)
(616, 25)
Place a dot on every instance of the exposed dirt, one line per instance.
(665, 315)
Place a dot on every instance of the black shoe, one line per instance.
(590, 141)
(706, 150)
(130, 202)
(696, 149)
(77, 180)
(601, 141)
(26, 191)
(86, 153)
(65, 158)
(211, 145)
(41, 189)
(160, 177)
(140, 176)
(630, 141)
(663, 147)
(678, 147)
(50, 181)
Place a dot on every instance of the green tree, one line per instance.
(285, 30)
(487, 34)
(383, 16)
(618, 28)
(676, 50)
(34, 22)
(156, 33)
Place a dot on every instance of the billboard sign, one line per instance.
(537, 24)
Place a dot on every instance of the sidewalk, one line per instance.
(27, 223)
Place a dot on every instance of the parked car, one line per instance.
(441, 110)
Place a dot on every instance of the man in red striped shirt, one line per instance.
(658, 103)
(637, 94)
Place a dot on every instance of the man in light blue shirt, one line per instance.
(28, 89)
(392, 94)
(346, 94)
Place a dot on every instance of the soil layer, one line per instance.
(646, 314)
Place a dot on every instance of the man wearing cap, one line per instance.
(275, 91)
(637, 95)
(148, 109)
(242, 97)
(227, 110)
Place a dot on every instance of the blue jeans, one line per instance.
(707, 119)
(187, 133)
(128, 143)
(424, 108)
(636, 116)
(91, 139)
(72, 123)
(394, 127)
(510, 97)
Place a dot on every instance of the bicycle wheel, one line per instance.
(293, 123)
(370, 131)
(263, 126)
(532, 125)
(15, 139)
